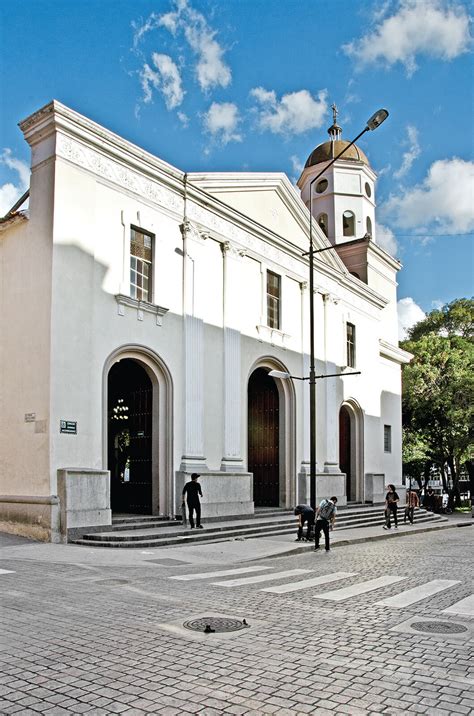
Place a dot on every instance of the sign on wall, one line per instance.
(68, 426)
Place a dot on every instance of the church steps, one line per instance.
(165, 535)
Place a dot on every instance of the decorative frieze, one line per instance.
(112, 170)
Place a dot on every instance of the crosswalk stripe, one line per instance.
(411, 596)
(360, 588)
(6, 571)
(306, 583)
(260, 578)
(221, 573)
(464, 608)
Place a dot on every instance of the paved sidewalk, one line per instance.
(103, 631)
(237, 549)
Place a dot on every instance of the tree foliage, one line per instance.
(438, 389)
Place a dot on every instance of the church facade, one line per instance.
(143, 309)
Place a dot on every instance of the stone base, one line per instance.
(84, 498)
(224, 493)
(327, 485)
(30, 516)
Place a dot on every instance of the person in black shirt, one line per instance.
(191, 491)
(391, 507)
(305, 514)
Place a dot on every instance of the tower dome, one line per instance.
(334, 146)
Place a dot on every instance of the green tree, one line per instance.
(438, 390)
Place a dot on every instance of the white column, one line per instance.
(193, 458)
(332, 337)
(232, 460)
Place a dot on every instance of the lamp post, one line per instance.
(372, 123)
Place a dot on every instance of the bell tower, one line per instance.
(343, 199)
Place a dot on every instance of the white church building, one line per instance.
(142, 309)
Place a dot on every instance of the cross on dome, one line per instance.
(334, 131)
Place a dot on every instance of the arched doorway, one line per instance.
(264, 438)
(345, 450)
(350, 450)
(130, 432)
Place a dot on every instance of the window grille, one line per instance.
(350, 345)
(141, 263)
(273, 299)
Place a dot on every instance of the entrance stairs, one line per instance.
(136, 531)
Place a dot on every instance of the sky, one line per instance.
(247, 85)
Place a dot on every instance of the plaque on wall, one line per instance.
(68, 426)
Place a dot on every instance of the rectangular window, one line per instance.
(350, 344)
(387, 438)
(141, 263)
(273, 299)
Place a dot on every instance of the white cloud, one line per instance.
(10, 192)
(140, 30)
(418, 27)
(297, 164)
(409, 313)
(295, 113)
(183, 118)
(221, 121)
(385, 238)
(165, 79)
(411, 154)
(443, 202)
(211, 69)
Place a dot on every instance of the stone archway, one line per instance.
(351, 449)
(271, 441)
(148, 392)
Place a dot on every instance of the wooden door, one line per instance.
(263, 438)
(345, 449)
(130, 438)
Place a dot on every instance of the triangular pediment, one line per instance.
(269, 199)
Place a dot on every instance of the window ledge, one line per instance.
(272, 335)
(141, 308)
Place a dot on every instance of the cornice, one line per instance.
(394, 353)
(55, 116)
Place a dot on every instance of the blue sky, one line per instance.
(247, 85)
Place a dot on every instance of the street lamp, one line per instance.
(372, 123)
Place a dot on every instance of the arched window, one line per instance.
(348, 223)
(369, 225)
(323, 223)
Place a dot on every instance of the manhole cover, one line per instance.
(215, 624)
(439, 627)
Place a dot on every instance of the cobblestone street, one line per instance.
(96, 632)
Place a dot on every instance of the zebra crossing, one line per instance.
(304, 579)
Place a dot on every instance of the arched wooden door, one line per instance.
(345, 450)
(263, 438)
(130, 402)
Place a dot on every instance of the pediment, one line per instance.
(269, 199)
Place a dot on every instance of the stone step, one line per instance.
(177, 535)
(262, 515)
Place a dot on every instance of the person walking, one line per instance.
(429, 500)
(325, 519)
(391, 507)
(305, 513)
(412, 501)
(192, 491)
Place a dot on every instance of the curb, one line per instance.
(361, 540)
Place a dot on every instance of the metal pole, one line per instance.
(312, 371)
(312, 359)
